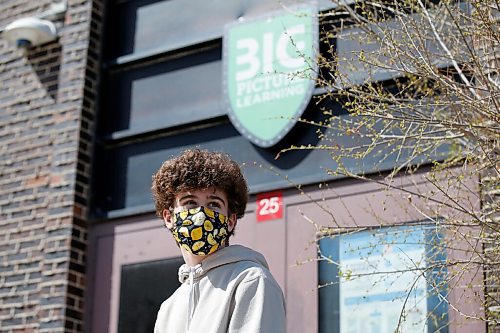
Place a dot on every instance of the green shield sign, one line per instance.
(269, 72)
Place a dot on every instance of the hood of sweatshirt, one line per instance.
(224, 256)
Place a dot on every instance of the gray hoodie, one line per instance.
(232, 290)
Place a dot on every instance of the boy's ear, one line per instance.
(231, 222)
(167, 218)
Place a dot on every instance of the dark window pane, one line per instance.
(143, 288)
(146, 25)
(124, 175)
(183, 90)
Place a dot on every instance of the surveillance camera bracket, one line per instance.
(55, 12)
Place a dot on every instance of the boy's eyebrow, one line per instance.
(216, 197)
(187, 196)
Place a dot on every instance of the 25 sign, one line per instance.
(269, 206)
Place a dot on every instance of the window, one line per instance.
(379, 279)
(163, 94)
(144, 286)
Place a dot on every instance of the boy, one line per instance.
(225, 288)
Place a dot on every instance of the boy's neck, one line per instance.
(192, 259)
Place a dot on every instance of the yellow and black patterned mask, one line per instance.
(200, 230)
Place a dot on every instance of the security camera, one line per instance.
(30, 31)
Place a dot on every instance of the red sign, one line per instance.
(269, 206)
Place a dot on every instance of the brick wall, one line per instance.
(46, 131)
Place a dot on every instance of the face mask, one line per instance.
(200, 230)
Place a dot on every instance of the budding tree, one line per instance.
(420, 81)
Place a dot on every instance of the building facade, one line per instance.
(85, 120)
(47, 109)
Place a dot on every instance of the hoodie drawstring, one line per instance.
(196, 270)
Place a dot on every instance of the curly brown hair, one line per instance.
(200, 169)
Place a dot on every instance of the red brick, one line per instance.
(36, 181)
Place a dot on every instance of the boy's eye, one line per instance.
(190, 203)
(214, 204)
